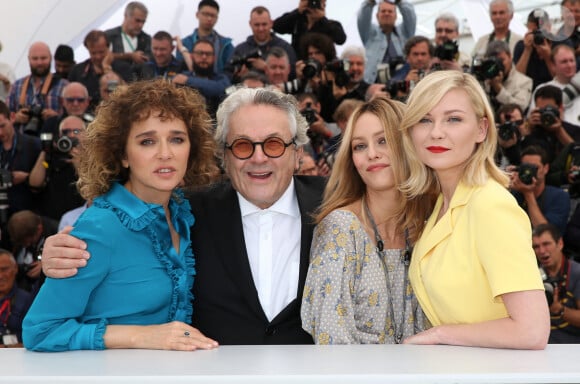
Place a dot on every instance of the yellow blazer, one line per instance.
(480, 249)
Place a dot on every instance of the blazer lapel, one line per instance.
(435, 233)
(231, 247)
(309, 200)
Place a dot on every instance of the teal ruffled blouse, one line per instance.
(134, 275)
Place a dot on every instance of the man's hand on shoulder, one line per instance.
(63, 254)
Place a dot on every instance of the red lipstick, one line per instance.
(436, 149)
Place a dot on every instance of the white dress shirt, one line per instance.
(272, 238)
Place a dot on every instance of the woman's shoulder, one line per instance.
(340, 216)
(339, 221)
(493, 191)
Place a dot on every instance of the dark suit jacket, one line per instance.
(116, 40)
(226, 306)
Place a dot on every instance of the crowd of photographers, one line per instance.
(531, 80)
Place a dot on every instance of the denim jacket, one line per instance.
(375, 41)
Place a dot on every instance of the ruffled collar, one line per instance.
(136, 214)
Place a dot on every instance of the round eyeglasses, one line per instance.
(272, 147)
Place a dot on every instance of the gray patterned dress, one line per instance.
(346, 299)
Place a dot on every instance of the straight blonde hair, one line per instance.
(345, 186)
(424, 97)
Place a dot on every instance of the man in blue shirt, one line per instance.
(212, 86)
(384, 42)
(207, 14)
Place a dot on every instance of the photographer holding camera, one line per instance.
(532, 54)
(447, 54)
(418, 54)
(322, 138)
(384, 42)
(511, 129)
(55, 169)
(543, 203)
(309, 17)
(547, 127)
(562, 282)
(344, 80)
(251, 54)
(36, 97)
(18, 153)
(506, 85)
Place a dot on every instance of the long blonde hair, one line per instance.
(345, 185)
(424, 97)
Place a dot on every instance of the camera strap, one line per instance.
(507, 37)
(43, 91)
(6, 160)
(5, 311)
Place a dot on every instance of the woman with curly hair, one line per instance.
(148, 139)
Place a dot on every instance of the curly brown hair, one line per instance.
(106, 137)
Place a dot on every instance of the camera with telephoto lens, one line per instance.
(5, 184)
(487, 68)
(312, 67)
(309, 113)
(449, 51)
(340, 69)
(65, 144)
(549, 115)
(315, 4)
(527, 172)
(550, 284)
(35, 114)
(507, 130)
(238, 61)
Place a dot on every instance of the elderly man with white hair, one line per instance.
(501, 12)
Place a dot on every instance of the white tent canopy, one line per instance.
(68, 21)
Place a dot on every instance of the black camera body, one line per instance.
(449, 51)
(527, 172)
(340, 69)
(549, 115)
(35, 114)
(315, 4)
(487, 68)
(507, 130)
(309, 113)
(312, 67)
(239, 60)
(539, 37)
(394, 87)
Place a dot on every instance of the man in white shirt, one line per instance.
(501, 13)
(252, 235)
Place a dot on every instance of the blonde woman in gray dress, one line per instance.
(357, 289)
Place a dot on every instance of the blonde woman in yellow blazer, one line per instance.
(473, 268)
